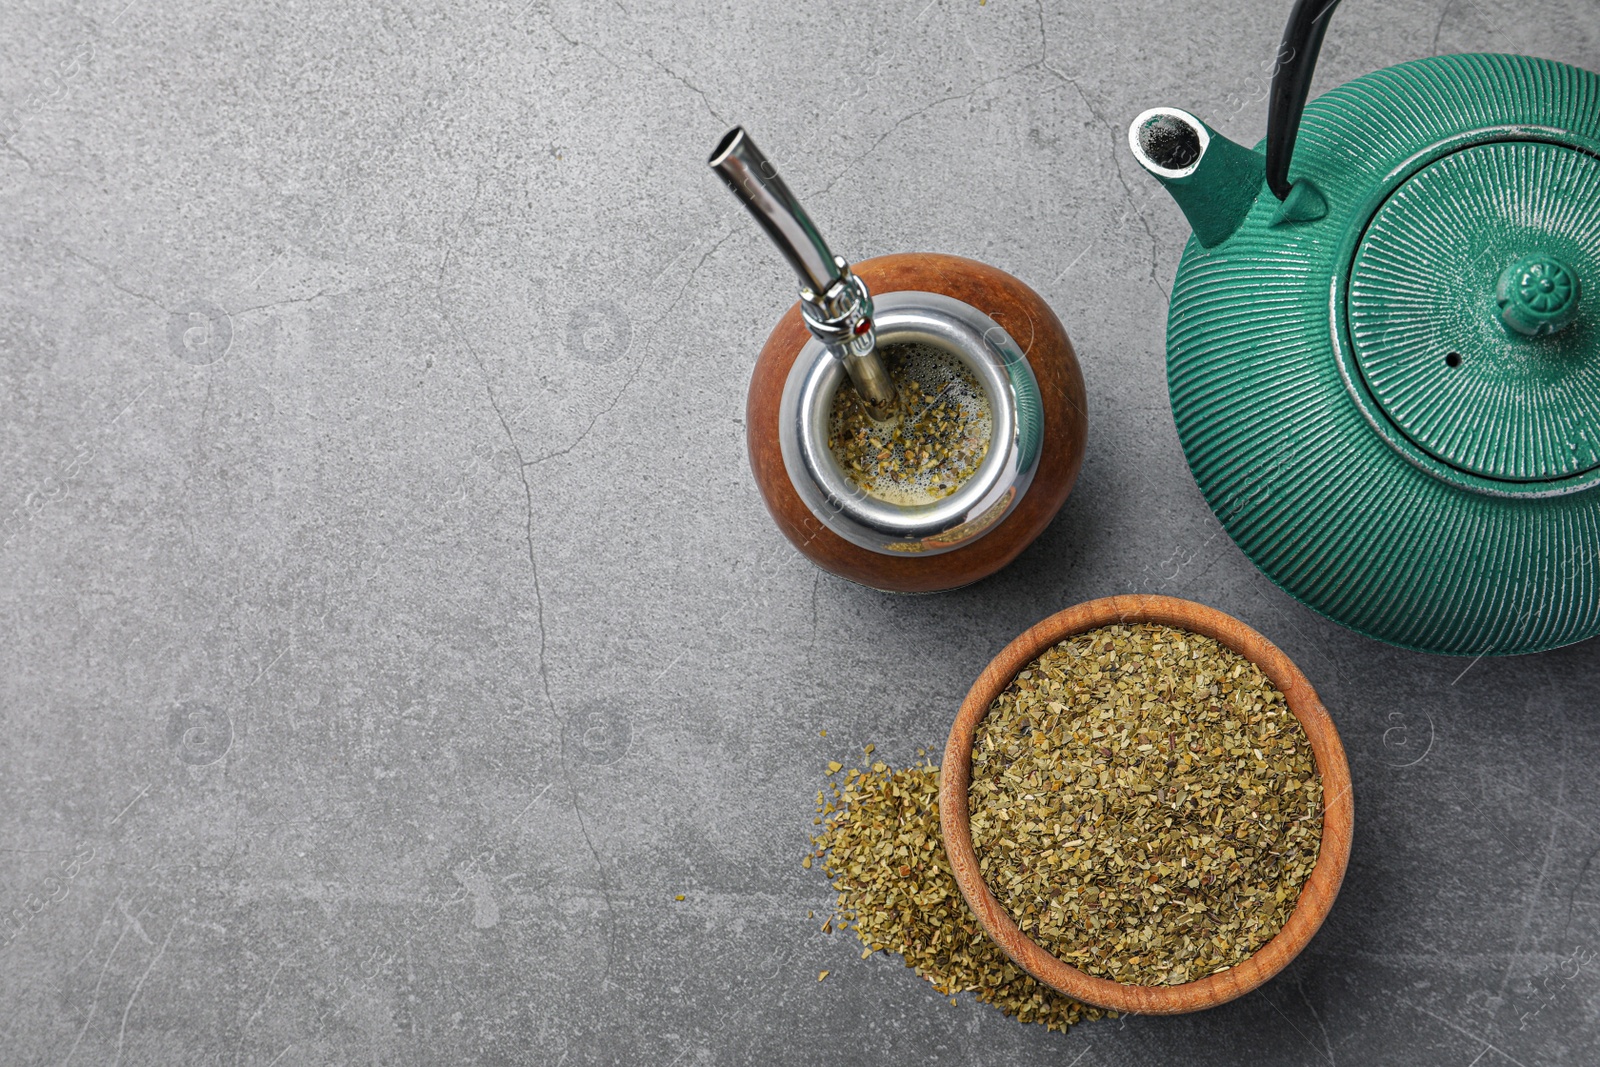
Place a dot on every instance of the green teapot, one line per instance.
(1383, 349)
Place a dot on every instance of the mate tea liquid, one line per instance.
(934, 442)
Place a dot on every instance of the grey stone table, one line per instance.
(389, 627)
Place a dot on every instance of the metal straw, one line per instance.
(834, 303)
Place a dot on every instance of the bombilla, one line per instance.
(835, 303)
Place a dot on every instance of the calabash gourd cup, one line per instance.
(1338, 810)
(998, 532)
(981, 318)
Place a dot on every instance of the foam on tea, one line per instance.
(931, 446)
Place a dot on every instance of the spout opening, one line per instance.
(1167, 142)
(725, 147)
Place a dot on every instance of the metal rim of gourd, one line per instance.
(984, 499)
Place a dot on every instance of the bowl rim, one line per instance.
(1338, 808)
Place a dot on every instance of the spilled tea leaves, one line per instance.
(882, 848)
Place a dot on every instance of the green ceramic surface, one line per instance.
(1444, 504)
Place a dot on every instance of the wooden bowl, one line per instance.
(1338, 810)
(1043, 341)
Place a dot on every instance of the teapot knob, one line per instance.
(1538, 295)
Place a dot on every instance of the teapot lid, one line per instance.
(1463, 310)
(1393, 404)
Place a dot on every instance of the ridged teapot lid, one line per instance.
(1464, 310)
(1387, 383)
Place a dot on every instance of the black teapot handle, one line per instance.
(1291, 84)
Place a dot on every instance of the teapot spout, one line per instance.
(1214, 180)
